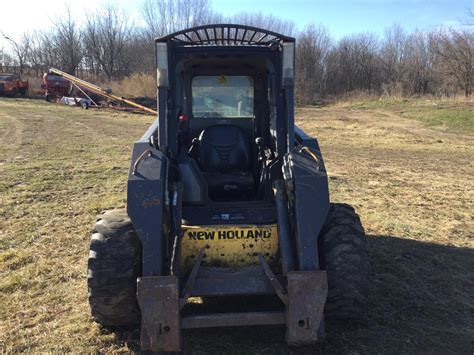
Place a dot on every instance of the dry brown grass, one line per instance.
(135, 85)
(34, 85)
(412, 185)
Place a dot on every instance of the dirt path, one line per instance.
(12, 132)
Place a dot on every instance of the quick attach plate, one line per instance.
(307, 293)
(158, 298)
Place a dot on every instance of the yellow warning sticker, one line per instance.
(228, 245)
(222, 80)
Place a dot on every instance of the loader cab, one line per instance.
(227, 197)
(223, 114)
(222, 160)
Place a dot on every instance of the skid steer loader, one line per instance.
(226, 197)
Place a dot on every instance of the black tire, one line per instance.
(343, 253)
(50, 98)
(113, 267)
(84, 105)
(23, 91)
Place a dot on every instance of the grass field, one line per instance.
(452, 115)
(410, 176)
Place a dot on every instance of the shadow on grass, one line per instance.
(421, 301)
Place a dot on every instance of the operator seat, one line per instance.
(225, 159)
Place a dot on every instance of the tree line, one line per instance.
(108, 45)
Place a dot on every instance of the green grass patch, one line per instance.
(455, 116)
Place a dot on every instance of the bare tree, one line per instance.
(419, 66)
(167, 16)
(45, 49)
(455, 50)
(107, 36)
(313, 45)
(266, 21)
(37, 55)
(67, 41)
(142, 50)
(20, 49)
(354, 65)
(470, 17)
(393, 55)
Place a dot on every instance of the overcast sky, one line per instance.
(340, 17)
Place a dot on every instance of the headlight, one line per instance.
(288, 70)
(162, 64)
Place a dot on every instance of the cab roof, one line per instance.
(225, 35)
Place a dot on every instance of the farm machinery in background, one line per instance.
(11, 84)
(55, 86)
(65, 88)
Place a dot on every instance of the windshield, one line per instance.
(222, 96)
(6, 77)
(55, 78)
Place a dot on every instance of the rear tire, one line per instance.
(113, 267)
(50, 98)
(343, 253)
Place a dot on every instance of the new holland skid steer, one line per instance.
(226, 197)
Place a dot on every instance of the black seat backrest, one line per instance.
(224, 148)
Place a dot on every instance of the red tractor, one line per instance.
(11, 84)
(55, 86)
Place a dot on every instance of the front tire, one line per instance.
(343, 253)
(113, 267)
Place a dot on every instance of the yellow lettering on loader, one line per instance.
(228, 245)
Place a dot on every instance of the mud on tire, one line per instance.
(113, 267)
(343, 253)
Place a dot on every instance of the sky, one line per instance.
(340, 17)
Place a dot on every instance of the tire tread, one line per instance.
(344, 254)
(113, 267)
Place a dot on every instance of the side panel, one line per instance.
(311, 199)
(146, 203)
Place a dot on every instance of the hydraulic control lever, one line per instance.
(259, 141)
(265, 156)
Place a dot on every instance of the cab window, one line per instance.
(222, 96)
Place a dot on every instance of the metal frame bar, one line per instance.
(186, 35)
(198, 36)
(232, 319)
(95, 104)
(230, 38)
(207, 35)
(243, 36)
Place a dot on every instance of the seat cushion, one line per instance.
(224, 158)
(224, 149)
